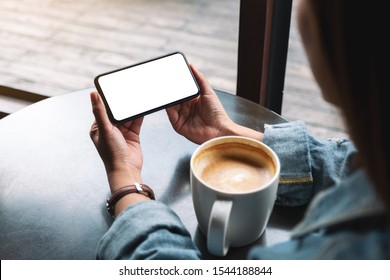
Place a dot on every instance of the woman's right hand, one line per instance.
(201, 118)
(204, 117)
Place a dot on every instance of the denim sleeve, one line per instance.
(147, 230)
(307, 164)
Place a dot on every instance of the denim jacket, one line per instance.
(345, 219)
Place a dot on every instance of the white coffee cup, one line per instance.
(234, 181)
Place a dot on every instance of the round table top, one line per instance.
(54, 186)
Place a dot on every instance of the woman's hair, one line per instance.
(354, 37)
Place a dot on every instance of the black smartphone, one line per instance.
(146, 87)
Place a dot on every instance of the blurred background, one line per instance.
(52, 47)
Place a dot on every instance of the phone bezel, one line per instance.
(163, 106)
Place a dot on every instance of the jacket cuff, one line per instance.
(290, 141)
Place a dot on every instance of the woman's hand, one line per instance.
(204, 117)
(118, 146)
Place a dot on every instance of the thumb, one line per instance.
(99, 111)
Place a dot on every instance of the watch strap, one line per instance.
(121, 192)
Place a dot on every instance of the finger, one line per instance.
(136, 125)
(173, 112)
(204, 85)
(131, 127)
(99, 111)
(94, 131)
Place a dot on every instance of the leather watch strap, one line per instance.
(118, 194)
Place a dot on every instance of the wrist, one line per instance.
(129, 200)
(126, 196)
(123, 176)
(239, 130)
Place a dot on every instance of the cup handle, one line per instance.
(217, 240)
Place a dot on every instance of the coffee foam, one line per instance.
(234, 167)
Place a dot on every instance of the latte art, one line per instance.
(234, 167)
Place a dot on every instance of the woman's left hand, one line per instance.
(118, 146)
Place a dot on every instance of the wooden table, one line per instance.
(53, 184)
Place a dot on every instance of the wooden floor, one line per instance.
(53, 47)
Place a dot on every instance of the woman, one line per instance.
(348, 191)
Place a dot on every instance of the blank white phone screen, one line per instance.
(147, 86)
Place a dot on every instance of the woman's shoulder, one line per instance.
(348, 221)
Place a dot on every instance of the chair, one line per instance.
(264, 28)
